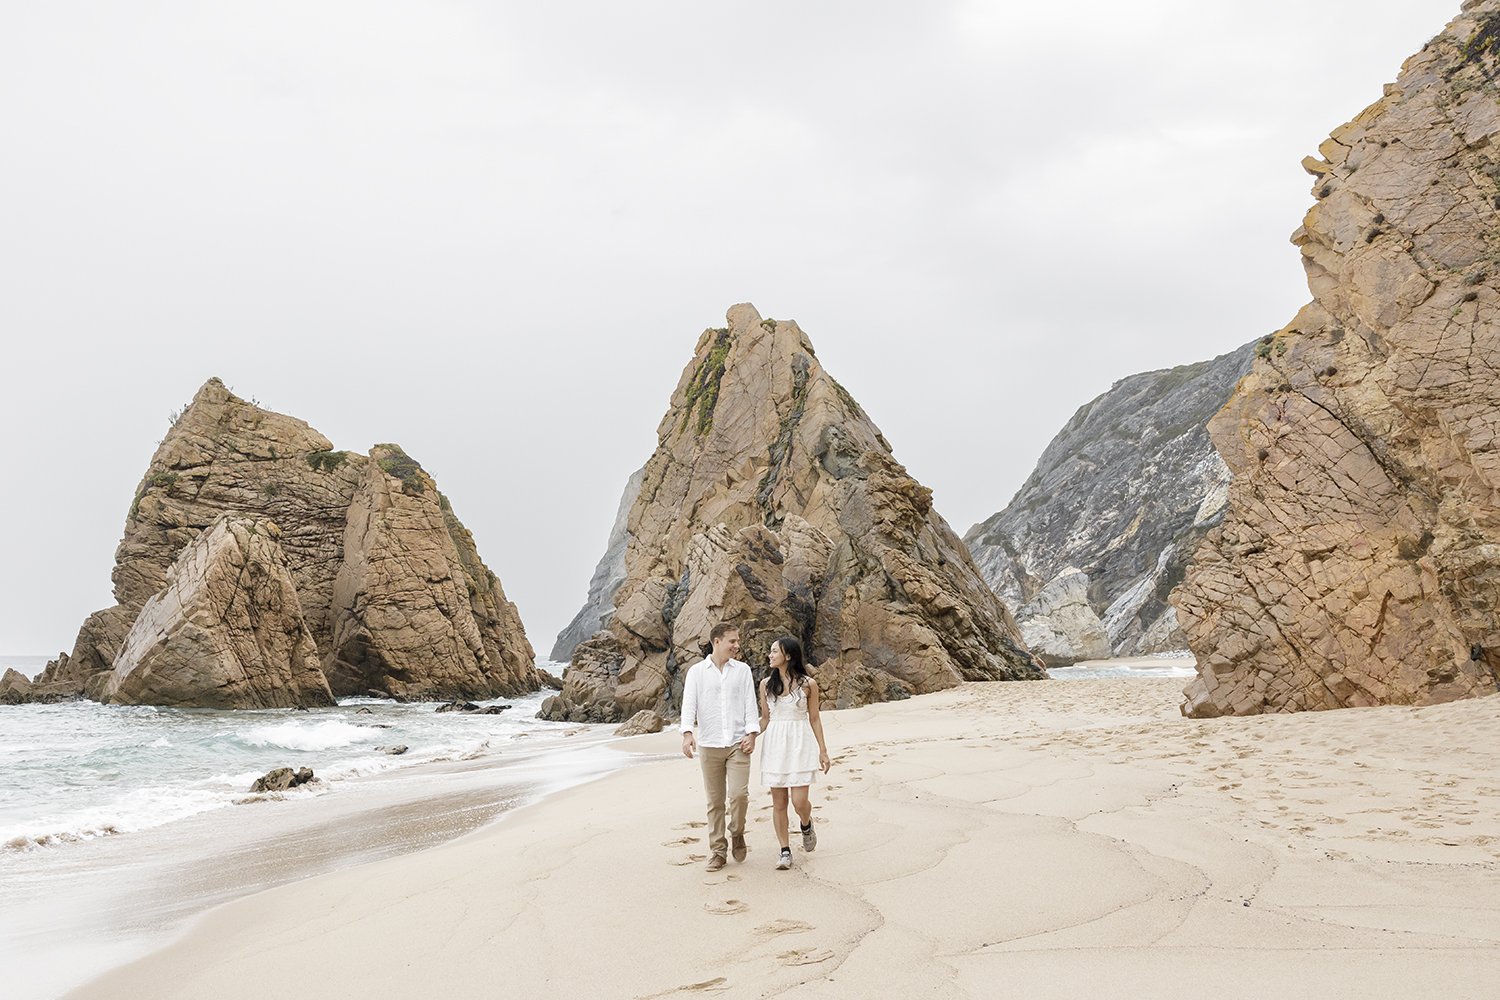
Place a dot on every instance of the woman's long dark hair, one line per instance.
(796, 667)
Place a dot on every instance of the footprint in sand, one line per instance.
(804, 956)
(728, 907)
(783, 926)
(679, 841)
(716, 985)
(691, 859)
(694, 825)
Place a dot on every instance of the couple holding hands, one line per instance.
(721, 721)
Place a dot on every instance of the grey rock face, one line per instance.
(1101, 532)
(1063, 627)
(608, 576)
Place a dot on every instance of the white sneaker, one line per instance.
(785, 861)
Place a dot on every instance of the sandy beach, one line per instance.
(1055, 839)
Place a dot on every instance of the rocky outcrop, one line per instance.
(1098, 535)
(14, 687)
(1359, 561)
(388, 581)
(282, 778)
(608, 576)
(773, 501)
(641, 723)
(226, 630)
(415, 614)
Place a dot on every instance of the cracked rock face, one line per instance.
(774, 502)
(388, 581)
(1359, 560)
(1096, 538)
(226, 630)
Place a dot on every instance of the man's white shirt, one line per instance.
(718, 705)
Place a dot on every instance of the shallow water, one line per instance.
(118, 824)
(1182, 665)
(76, 771)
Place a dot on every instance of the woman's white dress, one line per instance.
(788, 748)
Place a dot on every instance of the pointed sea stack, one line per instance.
(1359, 560)
(384, 579)
(772, 501)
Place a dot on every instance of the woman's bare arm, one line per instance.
(765, 706)
(816, 721)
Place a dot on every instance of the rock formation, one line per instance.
(1359, 560)
(643, 722)
(1096, 538)
(226, 631)
(773, 501)
(282, 778)
(387, 581)
(608, 576)
(15, 687)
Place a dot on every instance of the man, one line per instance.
(720, 721)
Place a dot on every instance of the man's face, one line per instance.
(728, 644)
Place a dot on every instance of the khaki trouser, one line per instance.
(726, 773)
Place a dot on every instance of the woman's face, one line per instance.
(778, 658)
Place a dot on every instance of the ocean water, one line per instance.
(119, 824)
(77, 771)
(1180, 664)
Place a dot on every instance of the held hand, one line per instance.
(823, 761)
(747, 745)
(689, 745)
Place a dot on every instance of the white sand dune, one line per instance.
(1065, 839)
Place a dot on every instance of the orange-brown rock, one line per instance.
(1359, 560)
(432, 624)
(453, 636)
(773, 501)
(226, 630)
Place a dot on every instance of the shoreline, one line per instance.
(76, 911)
(1058, 838)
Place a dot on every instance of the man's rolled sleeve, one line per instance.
(690, 702)
(752, 710)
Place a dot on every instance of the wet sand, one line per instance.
(75, 911)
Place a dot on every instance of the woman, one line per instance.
(792, 750)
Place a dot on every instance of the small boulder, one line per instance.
(644, 721)
(282, 778)
(469, 708)
(364, 711)
(548, 680)
(394, 751)
(14, 687)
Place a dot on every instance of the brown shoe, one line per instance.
(716, 862)
(737, 846)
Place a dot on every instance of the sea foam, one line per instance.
(327, 734)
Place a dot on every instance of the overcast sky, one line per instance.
(492, 232)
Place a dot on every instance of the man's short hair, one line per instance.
(722, 629)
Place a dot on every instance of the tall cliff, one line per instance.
(773, 501)
(1359, 558)
(387, 581)
(1098, 535)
